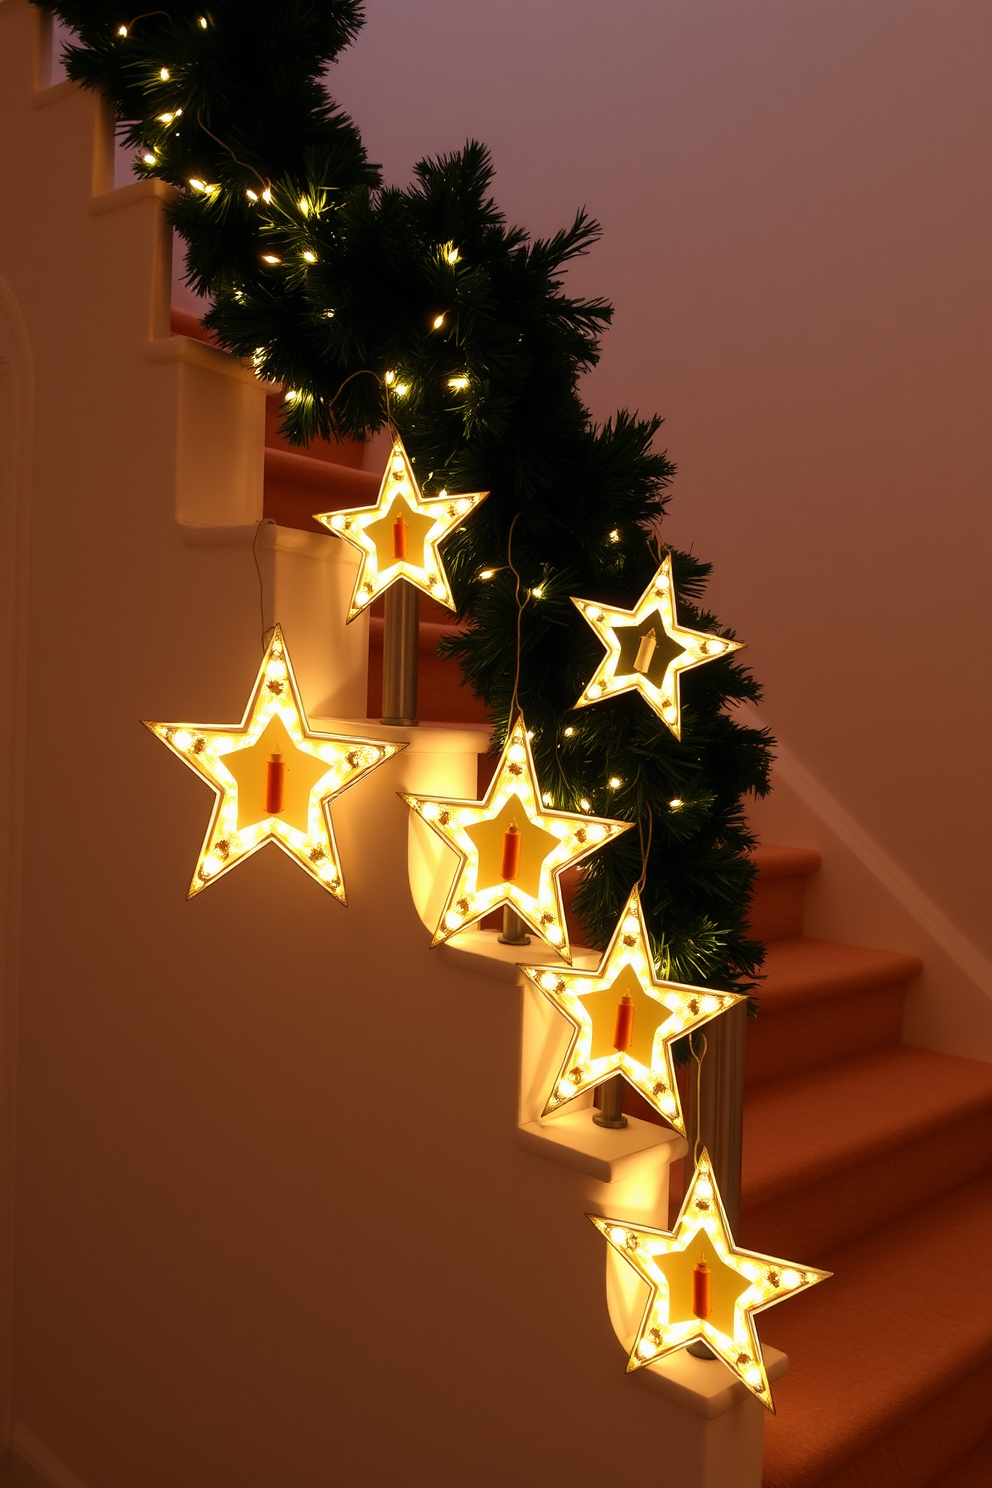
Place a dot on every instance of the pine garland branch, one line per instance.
(317, 274)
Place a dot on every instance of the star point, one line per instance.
(702, 1286)
(273, 777)
(547, 843)
(398, 537)
(647, 650)
(657, 1013)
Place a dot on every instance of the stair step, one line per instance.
(778, 901)
(822, 1002)
(297, 486)
(830, 1154)
(889, 1359)
(972, 1471)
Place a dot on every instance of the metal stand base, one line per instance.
(400, 654)
(610, 1112)
(514, 928)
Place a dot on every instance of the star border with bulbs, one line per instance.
(696, 648)
(203, 747)
(578, 835)
(444, 512)
(766, 1279)
(688, 1008)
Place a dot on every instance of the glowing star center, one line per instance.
(726, 1284)
(409, 548)
(249, 766)
(666, 650)
(535, 846)
(649, 1015)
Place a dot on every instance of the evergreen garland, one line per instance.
(322, 277)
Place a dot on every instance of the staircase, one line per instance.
(861, 1154)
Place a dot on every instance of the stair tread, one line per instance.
(806, 970)
(972, 1471)
(808, 1127)
(884, 1335)
(773, 860)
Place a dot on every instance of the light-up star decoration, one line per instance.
(623, 1020)
(647, 650)
(702, 1286)
(510, 828)
(398, 537)
(273, 778)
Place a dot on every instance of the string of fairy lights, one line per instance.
(275, 778)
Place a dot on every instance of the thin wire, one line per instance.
(265, 184)
(699, 1079)
(364, 372)
(266, 630)
(514, 700)
(645, 849)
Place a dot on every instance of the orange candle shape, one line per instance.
(701, 1288)
(275, 780)
(645, 651)
(511, 852)
(623, 1033)
(399, 539)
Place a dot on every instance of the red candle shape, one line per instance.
(399, 539)
(275, 779)
(701, 1289)
(623, 1033)
(511, 852)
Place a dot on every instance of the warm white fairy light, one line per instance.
(270, 258)
(202, 22)
(164, 74)
(739, 1284)
(654, 670)
(568, 732)
(148, 158)
(309, 256)
(121, 30)
(267, 195)
(314, 769)
(659, 1013)
(676, 803)
(548, 843)
(458, 383)
(451, 254)
(251, 195)
(398, 537)
(437, 322)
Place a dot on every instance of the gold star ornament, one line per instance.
(511, 849)
(647, 650)
(398, 537)
(623, 1020)
(701, 1286)
(273, 777)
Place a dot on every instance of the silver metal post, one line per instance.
(514, 928)
(400, 652)
(610, 1112)
(716, 1119)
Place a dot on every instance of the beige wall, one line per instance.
(796, 212)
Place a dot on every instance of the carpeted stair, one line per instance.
(861, 1154)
